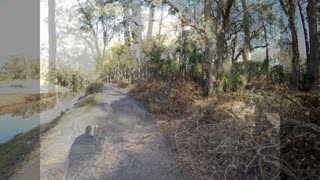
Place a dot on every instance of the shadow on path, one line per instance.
(123, 144)
(83, 152)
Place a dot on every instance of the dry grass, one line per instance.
(122, 84)
(239, 135)
(166, 97)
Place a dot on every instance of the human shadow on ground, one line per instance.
(83, 152)
(143, 153)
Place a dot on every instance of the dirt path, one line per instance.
(116, 139)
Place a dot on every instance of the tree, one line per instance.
(98, 19)
(289, 8)
(118, 50)
(213, 27)
(246, 48)
(14, 68)
(313, 61)
(52, 33)
(270, 26)
(134, 25)
(150, 21)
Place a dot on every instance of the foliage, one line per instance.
(159, 67)
(182, 59)
(191, 55)
(278, 74)
(19, 67)
(94, 87)
(68, 77)
(88, 102)
(230, 81)
(120, 65)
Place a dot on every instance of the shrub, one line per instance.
(95, 87)
(278, 73)
(122, 84)
(68, 77)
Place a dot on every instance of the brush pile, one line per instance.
(264, 132)
(122, 84)
(230, 138)
(166, 97)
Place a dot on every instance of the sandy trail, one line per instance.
(116, 139)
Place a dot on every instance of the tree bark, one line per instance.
(209, 49)
(150, 21)
(295, 72)
(52, 35)
(246, 48)
(267, 59)
(136, 29)
(290, 12)
(98, 55)
(222, 21)
(304, 26)
(313, 63)
(160, 24)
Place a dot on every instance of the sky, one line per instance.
(21, 34)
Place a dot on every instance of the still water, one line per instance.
(12, 125)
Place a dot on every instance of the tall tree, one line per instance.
(213, 29)
(150, 21)
(98, 20)
(313, 62)
(246, 48)
(52, 34)
(289, 8)
(135, 23)
(304, 26)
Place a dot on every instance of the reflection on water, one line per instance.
(32, 115)
(13, 125)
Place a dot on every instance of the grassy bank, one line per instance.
(23, 147)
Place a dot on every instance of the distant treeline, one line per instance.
(20, 67)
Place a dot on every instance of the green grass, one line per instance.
(23, 147)
(88, 101)
(95, 87)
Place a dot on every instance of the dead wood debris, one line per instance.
(268, 133)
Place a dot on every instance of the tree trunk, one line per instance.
(150, 21)
(295, 72)
(267, 59)
(136, 27)
(52, 43)
(160, 24)
(209, 46)
(208, 67)
(126, 27)
(313, 64)
(98, 52)
(290, 12)
(246, 48)
(52, 32)
(118, 70)
(304, 26)
(218, 63)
